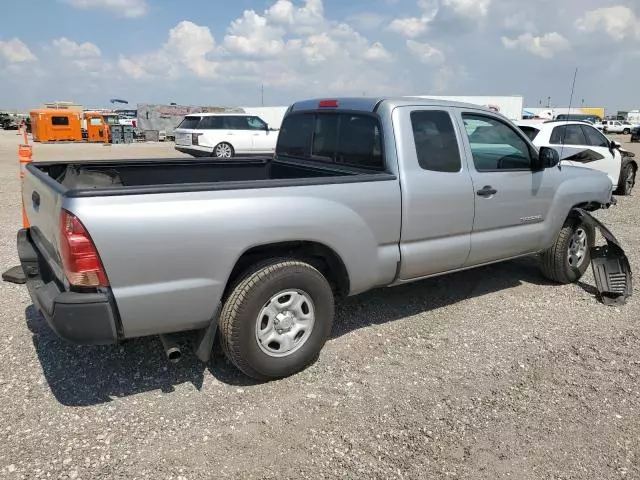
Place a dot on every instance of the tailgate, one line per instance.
(183, 138)
(42, 197)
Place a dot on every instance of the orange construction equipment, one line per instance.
(97, 128)
(56, 126)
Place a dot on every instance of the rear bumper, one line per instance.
(81, 318)
(196, 151)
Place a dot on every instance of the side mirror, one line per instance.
(548, 157)
(613, 145)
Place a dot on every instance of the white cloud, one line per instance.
(545, 46)
(286, 46)
(425, 52)
(131, 68)
(411, 27)
(15, 51)
(252, 34)
(367, 20)
(619, 22)
(69, 48)
(469, 8)
(122, 8)
(414, 27)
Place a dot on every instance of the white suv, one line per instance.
(224, 135)
(581, 144)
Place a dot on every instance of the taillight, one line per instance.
(194, 138)
(133, 123)
(82, 265)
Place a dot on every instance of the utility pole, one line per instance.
(262, 94)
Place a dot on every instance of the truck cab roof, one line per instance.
(371, 104)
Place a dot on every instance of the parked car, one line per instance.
(581, 144)
(224, 135)
(635, 134)
(361, 193)
(614, 126)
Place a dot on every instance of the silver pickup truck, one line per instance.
(361, 193)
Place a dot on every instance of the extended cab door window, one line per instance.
(494, 145)
(435, 141)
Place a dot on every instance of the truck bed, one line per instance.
(122, 177)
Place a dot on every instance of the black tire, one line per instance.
(556, 265)
(627, 179)
(223, 145)
(238, 318)
(626, 131)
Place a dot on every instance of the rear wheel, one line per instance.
(223, 150)
(569, 257)
(277, 319)
(627, 179)
(626, 131)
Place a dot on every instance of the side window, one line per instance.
(95, 121)
(594, 137)
(189, 122)
(568, 135)
(60, 121)
(295, 135)
(256, 123)
(494, 145)
(235, 122)
(435, 141)
(210, 123)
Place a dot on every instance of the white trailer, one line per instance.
(510, 106)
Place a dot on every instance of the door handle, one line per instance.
(486, 191)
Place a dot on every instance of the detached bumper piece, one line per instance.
(611, 268)
(15, 275)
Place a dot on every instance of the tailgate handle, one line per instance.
(35, 197)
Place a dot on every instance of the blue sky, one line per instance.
(219, 53)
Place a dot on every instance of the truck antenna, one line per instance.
(573, 87)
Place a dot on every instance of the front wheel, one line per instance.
(277, 319)
(627, 179)
(569, 257)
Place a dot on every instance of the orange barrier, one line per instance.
(25, 154)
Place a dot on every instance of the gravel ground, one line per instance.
(491, 373)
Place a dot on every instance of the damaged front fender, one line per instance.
(610, 265)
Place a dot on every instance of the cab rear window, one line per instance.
(189, 122)
(337, 137)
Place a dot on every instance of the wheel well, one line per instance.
(327, 261)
